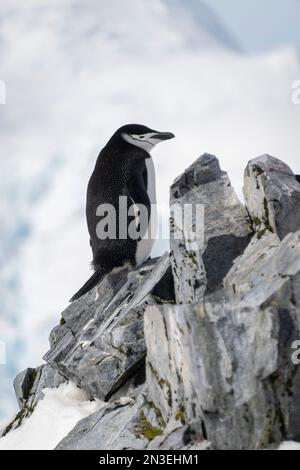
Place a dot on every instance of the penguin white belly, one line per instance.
(145, 245)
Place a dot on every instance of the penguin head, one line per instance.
(142, 136)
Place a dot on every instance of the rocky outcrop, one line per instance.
(29, 386)
(228, 366)
(193, 350)
(209, 229)
(136, 425)
(100, 342)
(272, 195)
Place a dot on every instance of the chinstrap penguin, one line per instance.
(123, 169)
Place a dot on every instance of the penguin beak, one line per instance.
(163, 136)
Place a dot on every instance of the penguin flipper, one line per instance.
(92, 282)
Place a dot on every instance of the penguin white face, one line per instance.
(148, 140)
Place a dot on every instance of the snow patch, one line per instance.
(289, 445)
(53, 418)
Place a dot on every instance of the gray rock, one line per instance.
(117, 427)
(175, 441)
(29, 386)
(230, 364)
(186, 437)
(272, 195)
(226, 361)
(23, 384)
(100, 344)
(275, 263)
(46, 377)
(131, 425)
(133, 386)
(113, 427)
(249, 270)
(216, 229)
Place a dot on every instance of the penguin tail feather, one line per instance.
(92, 282)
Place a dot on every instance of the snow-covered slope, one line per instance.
(74, 73)
(204, 22)
(52, 420)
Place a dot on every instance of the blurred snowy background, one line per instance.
(217, 73)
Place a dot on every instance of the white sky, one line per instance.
(259, 25)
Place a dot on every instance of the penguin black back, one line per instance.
(123, 181)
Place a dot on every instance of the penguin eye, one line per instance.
(142, 136)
